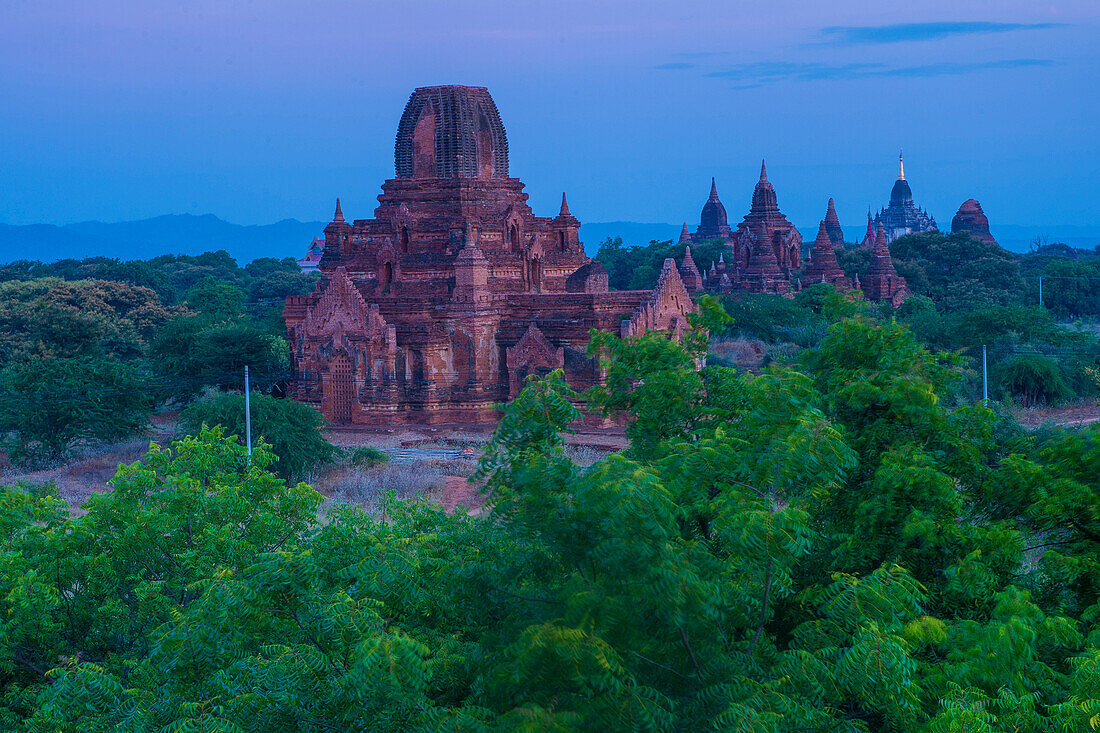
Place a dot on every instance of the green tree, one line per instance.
(191, 353)
(48, 406)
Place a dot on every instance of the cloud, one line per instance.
(675, 65)
(904, 32)
(750, 75)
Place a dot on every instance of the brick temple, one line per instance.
(971, 219)
(454, 292)
(765, 250)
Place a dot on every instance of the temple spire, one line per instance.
(901, 167)
(339, 215)
(763, 171)
(685, 235)
(713, 189)
(564, 206)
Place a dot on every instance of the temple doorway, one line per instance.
(341, 384)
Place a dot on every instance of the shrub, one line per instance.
(292, 429)
(366, 456)
(1032, 378)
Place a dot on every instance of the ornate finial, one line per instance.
(339, 215)
(713, 189)
(564, 206)
(901, 167)
(763, 171)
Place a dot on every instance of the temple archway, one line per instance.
(385, 277)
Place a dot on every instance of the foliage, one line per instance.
(48, 406)
(366, 456)
(50, 317)
(292, 429)
(958, 271)
(217, 299)
(1031, 378)
(828, 548)
(637, 267)
(191, 353)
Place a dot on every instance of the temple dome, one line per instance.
(901, 192)
(451, 132)
(713, 216)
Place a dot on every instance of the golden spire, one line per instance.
(901, 167)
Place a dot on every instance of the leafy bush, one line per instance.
(292, 429)
(1031, 378)
(366, 456)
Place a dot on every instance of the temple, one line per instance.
(972, 220)
(765, 249)
(441, 305)
(821, 266)
(901, 216)
(882, 281)
(312, 259)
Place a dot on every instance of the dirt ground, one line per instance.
(430, 462)
(1068, 417)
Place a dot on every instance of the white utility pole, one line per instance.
(248, 414)
(985, 381)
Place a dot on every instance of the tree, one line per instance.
(958, 271)
(828, 548)
(216, 299)
(292, 429)
(53, 317)
(192, 353)
(48, 406)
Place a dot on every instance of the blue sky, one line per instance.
(264, 110)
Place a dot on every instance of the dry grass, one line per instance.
(753, 354)
(419, 480)
(84, 474)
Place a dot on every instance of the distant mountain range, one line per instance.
(171, 234)
(189, 234)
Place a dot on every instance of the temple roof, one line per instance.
(713, 215)
(763, 196)
(451, 132)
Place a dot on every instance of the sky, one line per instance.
(266, 110)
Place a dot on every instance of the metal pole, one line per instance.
(247, 413)
(985, 381)
(1040, 291)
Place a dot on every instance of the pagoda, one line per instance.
(822, 266)
(882, 282)
(972, 220)
(901, 216)
(766, 247)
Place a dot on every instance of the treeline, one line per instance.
(820, 548)
(89, 348)
(967, 293)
